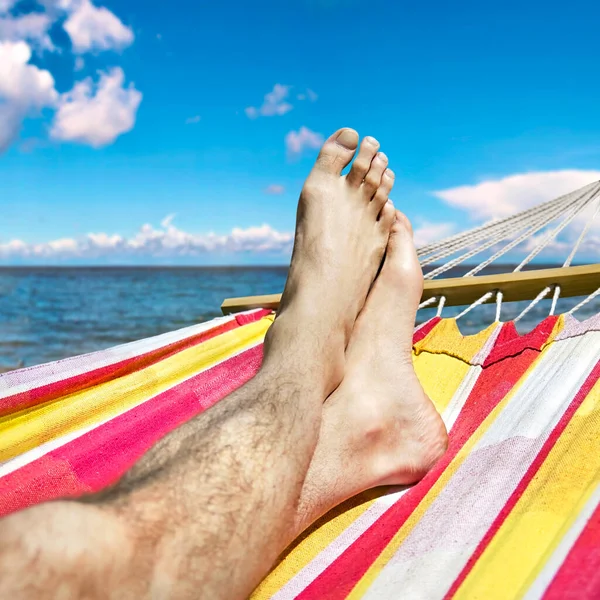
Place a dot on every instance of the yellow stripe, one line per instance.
(446, 338)
(369, 577)
(28, 429)
(544, 513)
(440, 375)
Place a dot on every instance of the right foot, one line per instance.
(379, 427)
(343, 224)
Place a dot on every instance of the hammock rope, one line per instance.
(521, 227)
(534, 223)
(578, 243)
(495, 234)
(497, 223)
(584, 302)
(551, 236)
(568, 217)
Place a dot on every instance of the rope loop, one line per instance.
(427, 303)
(555, 298)
(481, 300)
(499, 298)
(441, 306)
(584, 302)
(533, 303)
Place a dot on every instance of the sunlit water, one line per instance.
(51, 313)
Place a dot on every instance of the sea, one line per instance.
(50, 313)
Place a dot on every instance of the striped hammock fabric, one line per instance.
(511, 511)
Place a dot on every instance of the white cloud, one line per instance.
(6, 5)
(24, 89)
(427, 232)
(32, 27)
(193, 120)
(503, 197)
(274, 189)
(23, 83)
(297, 142)
(95, 28)
(309, 94)
(167, 241)
(166, 222)
(97, 116)
(84, 114)
(275, 103)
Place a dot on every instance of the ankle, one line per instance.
(304, 351)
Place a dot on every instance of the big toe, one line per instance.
(337, 151)
(402, 262)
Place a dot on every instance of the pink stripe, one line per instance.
(579, 576)
(101, 456)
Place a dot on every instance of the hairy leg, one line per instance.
(209, 508)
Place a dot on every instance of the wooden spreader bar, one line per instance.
(460, 291)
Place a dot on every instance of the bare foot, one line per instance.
(379, 427)
(343, 224)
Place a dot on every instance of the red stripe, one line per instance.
(510, 343)
(98, 458)
(495, 381)
(100, 375)
(245, 318)
(424, 330)
(529, 475)
(579, 576)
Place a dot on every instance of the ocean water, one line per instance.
(49, 313)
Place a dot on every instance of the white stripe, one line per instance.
(554, 563)
(15, 382)
(460, 397)
(27, 457)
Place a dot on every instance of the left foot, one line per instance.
(379, 427)
(343, 224)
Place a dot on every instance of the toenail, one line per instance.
(371, 140)
(382, 157)
(389, 173)
(347, 138)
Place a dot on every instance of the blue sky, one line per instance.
(463, 96)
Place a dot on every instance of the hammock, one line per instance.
(511, 511)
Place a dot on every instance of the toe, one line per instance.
(374, 176)
(402, 256)
(387, 216)
(383, 191)
(402, 225)
(337, 151)
(362, 163)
